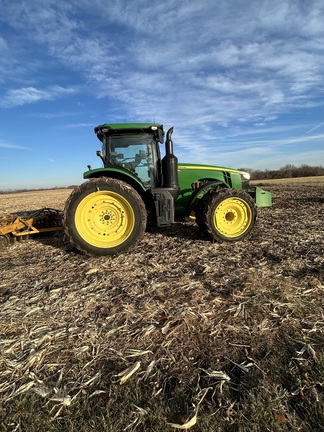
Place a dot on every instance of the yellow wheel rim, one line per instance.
(233, 217)
(104, 219)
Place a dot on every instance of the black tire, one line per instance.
(104, 216)
(199, 212)
(226, 214)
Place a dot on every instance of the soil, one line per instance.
(178, 314)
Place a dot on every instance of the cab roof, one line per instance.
(128, 125)
(108, 128)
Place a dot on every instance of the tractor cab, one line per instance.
(131, 153)
(133, 148)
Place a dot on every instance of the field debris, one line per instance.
(127, 373)
(179, 333)
(193, 420)
(217, 375)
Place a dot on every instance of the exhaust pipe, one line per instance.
(169, 143)
(170, 167)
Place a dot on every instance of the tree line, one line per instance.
(287, 171)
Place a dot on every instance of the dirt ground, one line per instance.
(178, 330)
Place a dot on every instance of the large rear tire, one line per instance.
(226, 214)
(104, 216)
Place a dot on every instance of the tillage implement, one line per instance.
(109, 213)
(21, 226)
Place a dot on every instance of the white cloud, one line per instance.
(11, 146)
(77, 125)
(311, 158)
(53, 115)
(3, 44)
(284, 141)
(26, 95)
(318, 126)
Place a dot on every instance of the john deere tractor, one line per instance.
(109, 213)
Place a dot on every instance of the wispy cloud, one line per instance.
(3, 44)
(11, 146)
(263, 63)
(27, 95)
(77, 125)
(318, 126)
(53, 115)
(283, 141)
(276, 160)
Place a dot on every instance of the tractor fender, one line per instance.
(204, 188)
(127, 177)
(119, 174)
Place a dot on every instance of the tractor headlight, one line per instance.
(245, 179)
(246, 175)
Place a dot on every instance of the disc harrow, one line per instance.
(21, 226)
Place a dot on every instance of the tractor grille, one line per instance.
(227, 178)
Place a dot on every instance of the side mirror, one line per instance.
(98, 153)
(161, 135)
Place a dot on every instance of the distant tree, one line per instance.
(287, 171)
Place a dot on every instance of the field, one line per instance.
(178, 333)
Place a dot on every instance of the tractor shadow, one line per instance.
(179, 230)
(56, 239)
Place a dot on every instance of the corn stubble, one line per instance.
(178, 334)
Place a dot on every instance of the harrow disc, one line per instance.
(4, 241)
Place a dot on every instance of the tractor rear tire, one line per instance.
(226, 214)
(104, 216)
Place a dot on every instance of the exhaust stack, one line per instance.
(170, 167)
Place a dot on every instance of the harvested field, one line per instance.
(315, 180)
(178, 332)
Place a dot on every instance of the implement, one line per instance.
(16, 226)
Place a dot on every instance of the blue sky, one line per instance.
(241, 81)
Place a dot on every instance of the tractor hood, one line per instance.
(233, 178)
(197, 167)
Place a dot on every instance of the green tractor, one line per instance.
(109, 213)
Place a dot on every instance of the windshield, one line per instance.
(135, 152)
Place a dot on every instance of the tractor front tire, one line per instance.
(104, 216)
(226, 214)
